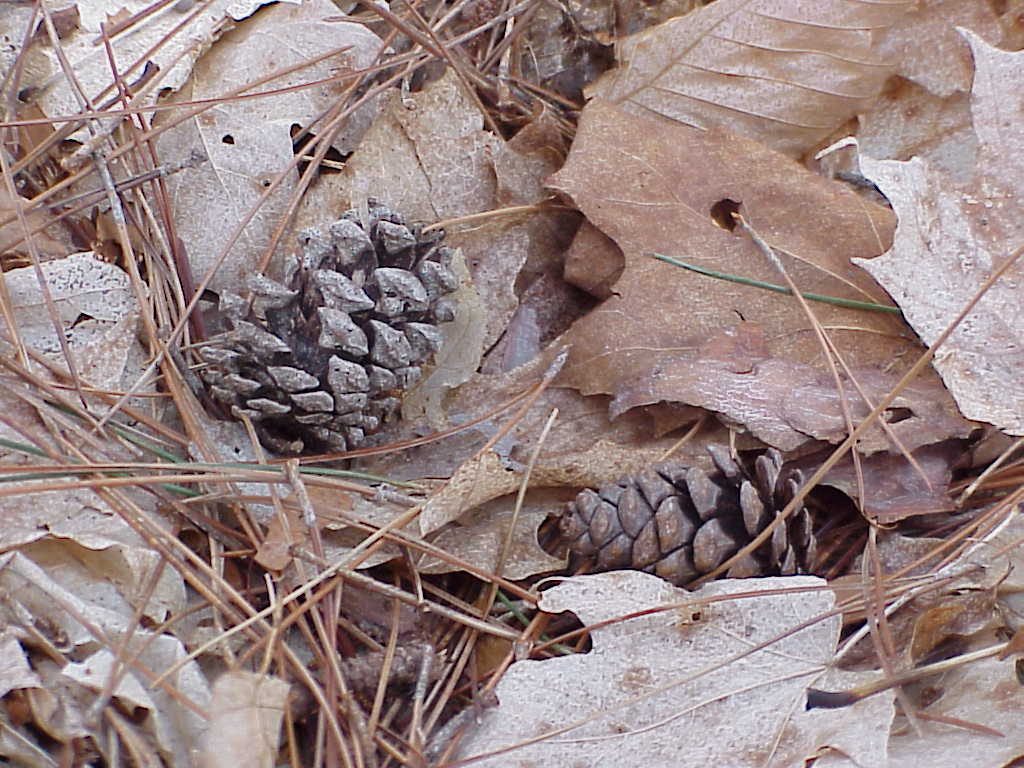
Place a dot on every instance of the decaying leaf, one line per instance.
(655, 688)
(160, 41)
(785, 403)
(893, 488)
(624, 174)
(69, 622)
(247, 143)
(785, 73)
(79, 284)
(245, 728)
(952, 237)
(12, 235)
(97, 310)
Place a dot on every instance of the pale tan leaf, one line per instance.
(245, 728)
(662, 689)
(15, 670)
(97, 310)
(248, 143)
(785, 72)
(479, 538)
(39, 594)
(160, 41)
(460, 356)
(952, 237)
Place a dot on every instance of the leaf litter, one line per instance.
(673, 137)
(955, 236)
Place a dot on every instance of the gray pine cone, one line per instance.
(680, 523)
(320, 363)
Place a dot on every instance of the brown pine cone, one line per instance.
(320, 363)
(680, 523)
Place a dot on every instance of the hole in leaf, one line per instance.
(896, 415)
(722, 211)
(304, 143)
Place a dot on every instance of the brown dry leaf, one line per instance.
(248, 143)
(284, 532)
(654, 688)
(952, 237)
(893, 488)
(247, 710)
(786, 72)
(624, 173)
(594, 262)
(479, 479)
(12, 236)
(784, 403)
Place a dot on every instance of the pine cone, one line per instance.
(680, 523)
(320, 363)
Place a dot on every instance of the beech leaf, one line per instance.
(786, 72)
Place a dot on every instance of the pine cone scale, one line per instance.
(318, 363)
(680, 522)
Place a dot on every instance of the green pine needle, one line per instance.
(852, 304)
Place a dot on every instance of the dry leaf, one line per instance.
(15, 670)
(785, 72)
(284, 532)
(594, 262)
(248, 143)
(623, 173)
(46, 240)
(36, 595)
(79, 284)
(247, 710)
(894, 489)
(787, 404)
(951, 238)
(908, 121)
(96, 308)
(655, 688)
(479, 538)
(159, 41)
(984, 693)
(925, 48)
